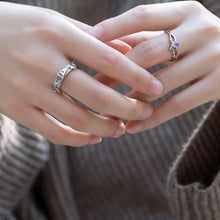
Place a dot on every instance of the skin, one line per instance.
(198, 65)
(36, 44)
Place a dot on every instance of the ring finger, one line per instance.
(93, 94)
(103, 99)
(182, 72)
(70, 113)
(155, 50)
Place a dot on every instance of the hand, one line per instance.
(35, 44)
(198, 65)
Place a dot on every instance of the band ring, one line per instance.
(174, 44)
(61, 75)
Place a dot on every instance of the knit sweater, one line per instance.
(170, 172)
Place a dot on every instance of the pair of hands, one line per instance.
(36, 43)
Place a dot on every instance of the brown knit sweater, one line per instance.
(167, 173)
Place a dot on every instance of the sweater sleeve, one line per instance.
(194, 183)
(22, 155)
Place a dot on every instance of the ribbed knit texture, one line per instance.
(195, 177)
(22, 154)
(124, 178)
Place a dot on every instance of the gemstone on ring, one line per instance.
(174, 44)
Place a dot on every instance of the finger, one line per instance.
(152, 48)
(154, 17)
(137, 38)
(142, 55)
(176, 105)
(154, 51)
(101, 98)
(104, 59)
(120, 46)
(73, 115)
(124, 48)
(147, 52)
(55, 131)
(88, 91)
(157, 50)
(95, 95)
(111, 83)
(180, 73)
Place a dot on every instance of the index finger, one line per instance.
(152, 17)
(95, 54)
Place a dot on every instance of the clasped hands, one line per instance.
(36, 48)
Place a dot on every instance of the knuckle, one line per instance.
(77, 121)
(142, 81)
(99, 100)
(165, 80)
(112, 129)
(133, 114)
(194, 6)
(109, 129)
(110, 59)
(213, 30)
(48, 28)
(50, 34)
(135, 111)
(210, 29)
(150, 48)
(141, 11)
(177, 105)
(24, 55)
(158, 120)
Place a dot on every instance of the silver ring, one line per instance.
(174, 44)
(61, 75)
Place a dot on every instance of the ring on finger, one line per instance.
(61, 75)
(174, 44)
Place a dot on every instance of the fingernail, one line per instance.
(147, 112)
(156, 87)
(95, 140)
(120, 131)
(96, 31)
(135, 129)
(121, 43)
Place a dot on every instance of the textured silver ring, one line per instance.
(174, 44)
(61, 75)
